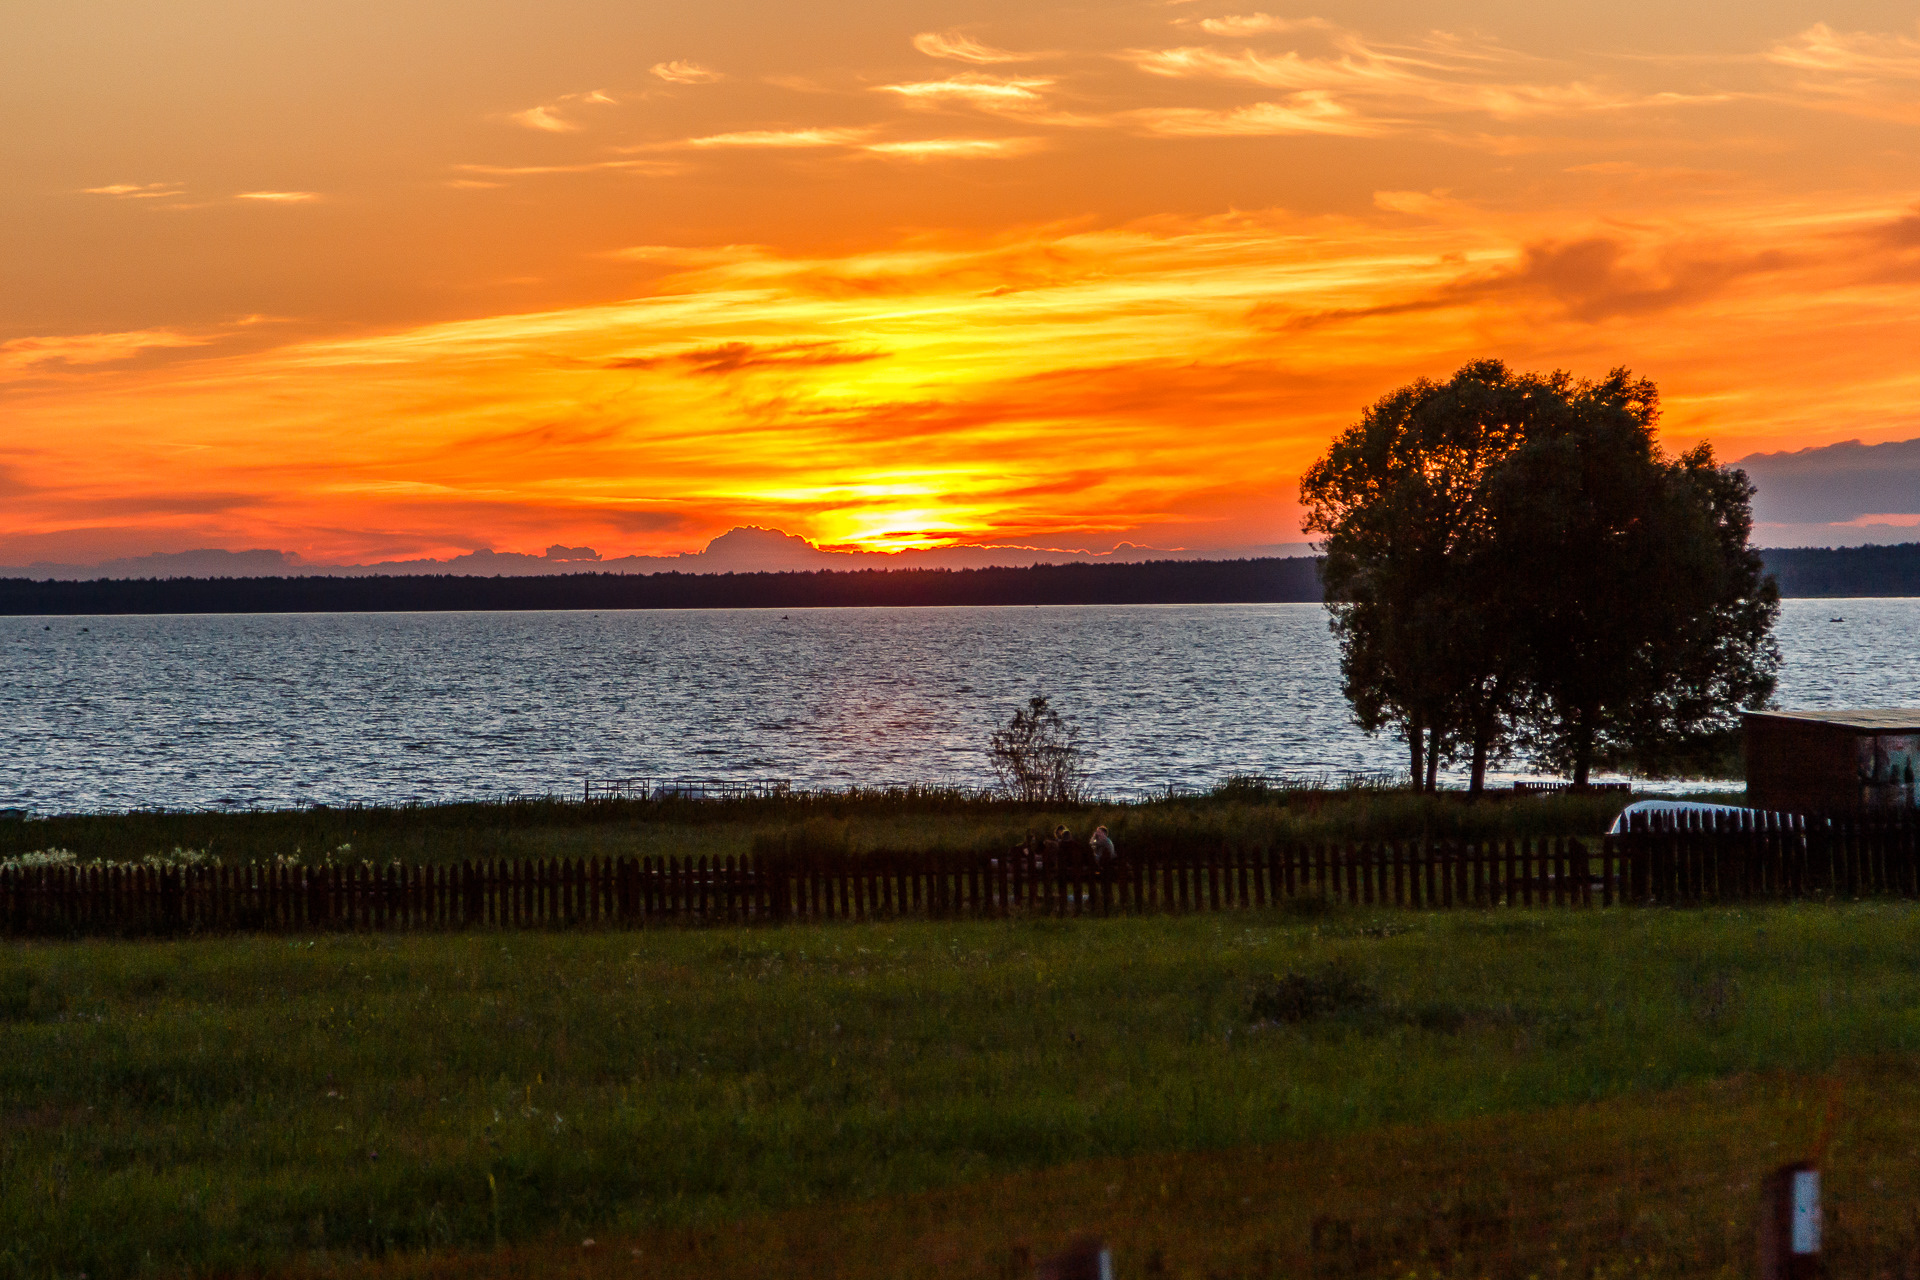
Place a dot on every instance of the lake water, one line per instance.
(287, 709)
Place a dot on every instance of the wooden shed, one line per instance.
(1821, 761)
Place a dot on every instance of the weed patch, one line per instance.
(1376, 929)
(26, 997)
(1302, 997)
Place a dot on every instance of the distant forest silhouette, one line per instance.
(1846, 571)
(1804, 572)
(1155, 582)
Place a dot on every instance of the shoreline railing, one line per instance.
(651, 788)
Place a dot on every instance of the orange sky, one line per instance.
(367, 280)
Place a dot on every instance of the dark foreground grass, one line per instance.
(1664, 1184)
(906, 819)
(231, 1104)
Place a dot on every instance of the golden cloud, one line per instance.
(136, 191)
(782, 138)
(1309, 112)
(550, 117)
(975, 90)
(1255, 24)
(543, 118)
(957, 148)
(681, 72)
(962, 48)
(639, 166)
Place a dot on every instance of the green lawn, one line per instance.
(235, 1103)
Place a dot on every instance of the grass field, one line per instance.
(238, 1104)
(902, 820)
(1662, 1184)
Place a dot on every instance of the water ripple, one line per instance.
(285, 709)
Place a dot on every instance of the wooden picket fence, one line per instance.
(1689, 861)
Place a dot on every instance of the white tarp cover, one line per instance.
(1668, 806)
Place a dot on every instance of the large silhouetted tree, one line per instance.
(1510, 559)
(1646, 617)
(1407, 536)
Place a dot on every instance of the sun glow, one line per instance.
(899, 530)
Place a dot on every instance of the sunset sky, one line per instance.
(364, 281)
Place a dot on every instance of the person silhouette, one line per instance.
(1102, 846)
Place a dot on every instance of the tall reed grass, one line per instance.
(895, 819)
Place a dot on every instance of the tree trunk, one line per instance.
(1582, 749)
(1416, 746)
(1433, 758)
(1478, 782)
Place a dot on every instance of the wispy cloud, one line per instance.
(279, 197)
(556, 117)
(864, 141)
(961, 47)
(23, 354)
(543, 118)
(1307, 112)
(976, 91)
(682, 72)
(1255, 24)
(645, 167)
(957, 148)
(1387, 84)
(1852, 56)
(972, 89)
(1860, 72)
(781, 139)
(137, 191)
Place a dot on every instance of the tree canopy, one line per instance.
(1513, 563)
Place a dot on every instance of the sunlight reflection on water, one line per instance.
(284, 709)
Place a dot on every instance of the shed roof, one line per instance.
(1877, 719)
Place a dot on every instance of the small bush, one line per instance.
(16, 995)
(1299, 997)
(1038, 758)
(38, 858)
(24, 998)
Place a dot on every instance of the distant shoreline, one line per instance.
(1819, 573)
(1265, 581)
